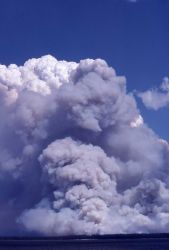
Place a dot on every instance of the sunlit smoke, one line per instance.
(75, 154)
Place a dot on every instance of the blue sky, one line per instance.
(133, 37)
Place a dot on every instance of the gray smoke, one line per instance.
(75, 154)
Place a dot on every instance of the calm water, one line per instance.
(155, 242)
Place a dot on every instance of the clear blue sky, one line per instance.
(131, 37)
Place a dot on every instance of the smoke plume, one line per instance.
(75, 154)
(156, 98)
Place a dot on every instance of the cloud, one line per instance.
(75, 154)
(156, 98)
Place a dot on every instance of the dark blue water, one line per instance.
(118, 242)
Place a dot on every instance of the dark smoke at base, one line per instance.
(75, 154)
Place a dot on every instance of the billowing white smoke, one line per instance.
(156, 98)
(75, 154)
